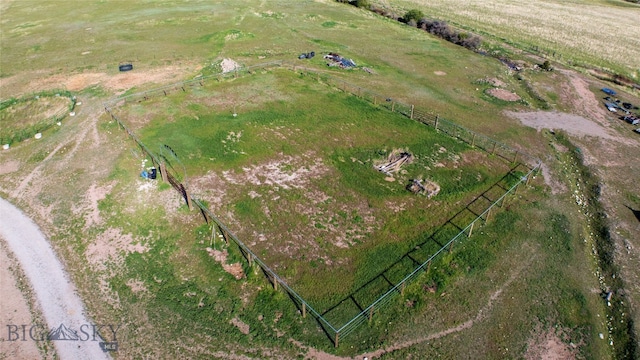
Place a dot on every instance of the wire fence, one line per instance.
(458, 228)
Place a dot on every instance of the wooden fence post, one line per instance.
(437, 119)
(337, 339)
(187, 197)
(371, 313)
(393, 106)
(473, 140)
(515, 158)
(163, 172)
(304, 310)
(412, 107)
(494, 148)
(471, 229)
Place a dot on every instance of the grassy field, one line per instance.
(592, 33)
(296, 168)
(138, 255)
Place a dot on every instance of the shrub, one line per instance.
(415, 15)
(361, 3)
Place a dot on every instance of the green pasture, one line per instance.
(302, 125)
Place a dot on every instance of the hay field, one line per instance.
(603, 33)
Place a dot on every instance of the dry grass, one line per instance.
(606, 33)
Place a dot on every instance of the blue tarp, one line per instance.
(608, 91)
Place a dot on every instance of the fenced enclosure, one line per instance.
(341, 319)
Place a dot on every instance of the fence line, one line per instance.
(336, 332)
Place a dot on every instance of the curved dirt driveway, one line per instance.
(54, 292)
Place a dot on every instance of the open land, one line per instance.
(527, 284)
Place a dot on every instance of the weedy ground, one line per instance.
(138, 255)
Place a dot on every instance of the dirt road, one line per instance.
(62, 309)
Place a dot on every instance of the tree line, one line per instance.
(417, 19)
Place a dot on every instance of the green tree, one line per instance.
(415, 15)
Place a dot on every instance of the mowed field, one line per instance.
(139, 257)
(592, 33)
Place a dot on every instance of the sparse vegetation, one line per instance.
(140, 257)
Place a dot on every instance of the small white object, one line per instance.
(79, 103)
(73, 113)
(58, 123)
(234, 114)
(5, 147)
(38, 135)
(601, 336)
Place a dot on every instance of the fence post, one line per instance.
(486, 217)
(335, 342)
(411, 117)
(213, 233)
(186, 195)
(437, 119)
(528, 178)
(451, 247)
(375, 101)
(393, 106)
(473, 140)
(304, 310)
(428, 266)
(402, 288)
(471, 229)
(494, 148)
(515, 158)
(371, 313)
(163, 172)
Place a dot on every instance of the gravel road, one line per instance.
(56, 295)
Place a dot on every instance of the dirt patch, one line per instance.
(241, 325)
(14, 310)
(234, 269)
(440, 73)
(548, 346)
(108, 248)
(503, 94)
(572, 124)
(93, 195)
(288, 172)
(495, 82)
(9, 167)
(116, 82)
(137, 286)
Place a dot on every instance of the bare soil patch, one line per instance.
(111, 247)
(572, 124)
(548, 346)
(234, 269)
(14, 310)
(241, 325)
(440, 73)
(503, 94)
(9, 166)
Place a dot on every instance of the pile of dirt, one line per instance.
(228, 65)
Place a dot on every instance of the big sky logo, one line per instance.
(105, 334)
